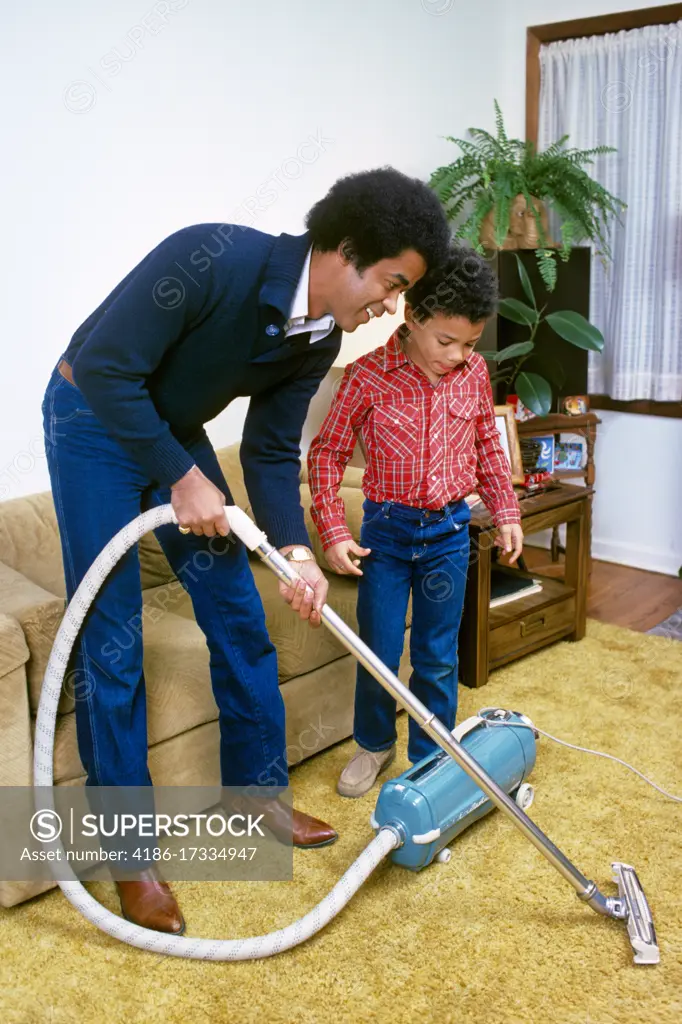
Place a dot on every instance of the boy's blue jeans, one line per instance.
(97, 489)
(425, 553)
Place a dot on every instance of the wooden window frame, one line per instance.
(536, 35)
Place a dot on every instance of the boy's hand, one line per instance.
(510, 538)
(339, 557)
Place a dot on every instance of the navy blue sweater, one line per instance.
(199, 322)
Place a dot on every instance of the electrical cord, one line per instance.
(586, 750)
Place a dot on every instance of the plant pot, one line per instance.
(523, 231)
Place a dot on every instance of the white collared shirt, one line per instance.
(299, 321)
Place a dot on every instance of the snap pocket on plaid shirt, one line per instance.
(463, 413)
(462, 407)
(397, 430)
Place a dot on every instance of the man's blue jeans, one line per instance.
(97, 489)
(424, 553)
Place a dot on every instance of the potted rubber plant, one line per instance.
(499, 191)
(534, 390)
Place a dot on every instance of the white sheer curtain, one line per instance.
(625, 90)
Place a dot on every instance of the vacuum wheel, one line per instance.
(524, 796)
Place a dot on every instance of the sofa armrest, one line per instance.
(16, 751)
(16, 748)
(39, 614)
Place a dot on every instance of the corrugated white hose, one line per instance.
(253, 948)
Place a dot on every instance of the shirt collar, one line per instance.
(299, 306)
(283, 271)
(394, 354)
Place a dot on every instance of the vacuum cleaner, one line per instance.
(431, 803)
(482, 764)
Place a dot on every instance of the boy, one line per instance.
(423, 406)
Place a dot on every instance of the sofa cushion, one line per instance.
(170, 631)
(300, 649)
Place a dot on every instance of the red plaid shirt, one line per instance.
(426, 445)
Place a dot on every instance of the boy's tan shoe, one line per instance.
(361, 772)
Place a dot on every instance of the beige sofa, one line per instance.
(316, 673)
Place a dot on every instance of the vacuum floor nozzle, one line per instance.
(639, 921)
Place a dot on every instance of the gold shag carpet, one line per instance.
(494, 936)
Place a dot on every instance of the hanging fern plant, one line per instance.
(498, 181)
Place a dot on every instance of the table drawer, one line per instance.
(531, 629)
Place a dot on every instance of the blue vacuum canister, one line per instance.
(435, 800)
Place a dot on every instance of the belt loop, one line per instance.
(386, 509)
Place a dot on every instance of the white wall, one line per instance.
(637, 509)
(109, 156)
(127, 121)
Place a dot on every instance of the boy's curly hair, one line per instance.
(464, 285)
(379, 214)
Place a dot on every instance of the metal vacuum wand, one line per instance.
(630, 904)
(434, 728)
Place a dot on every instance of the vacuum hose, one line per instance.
(144, 938)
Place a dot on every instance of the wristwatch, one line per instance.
(299, 554)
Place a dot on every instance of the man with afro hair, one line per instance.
(214, 312)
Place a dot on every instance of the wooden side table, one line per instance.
(490, 637)
(585, 426)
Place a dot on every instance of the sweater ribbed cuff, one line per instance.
(282, 529)
(166, 460)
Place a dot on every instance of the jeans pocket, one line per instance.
(73, 414)
(64, 404)
(458, 521)
(459, 515)
(371, 511)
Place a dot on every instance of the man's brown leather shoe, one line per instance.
(289, 825)
(309, 832)
(147, 900)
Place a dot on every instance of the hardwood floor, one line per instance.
(618, 594)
